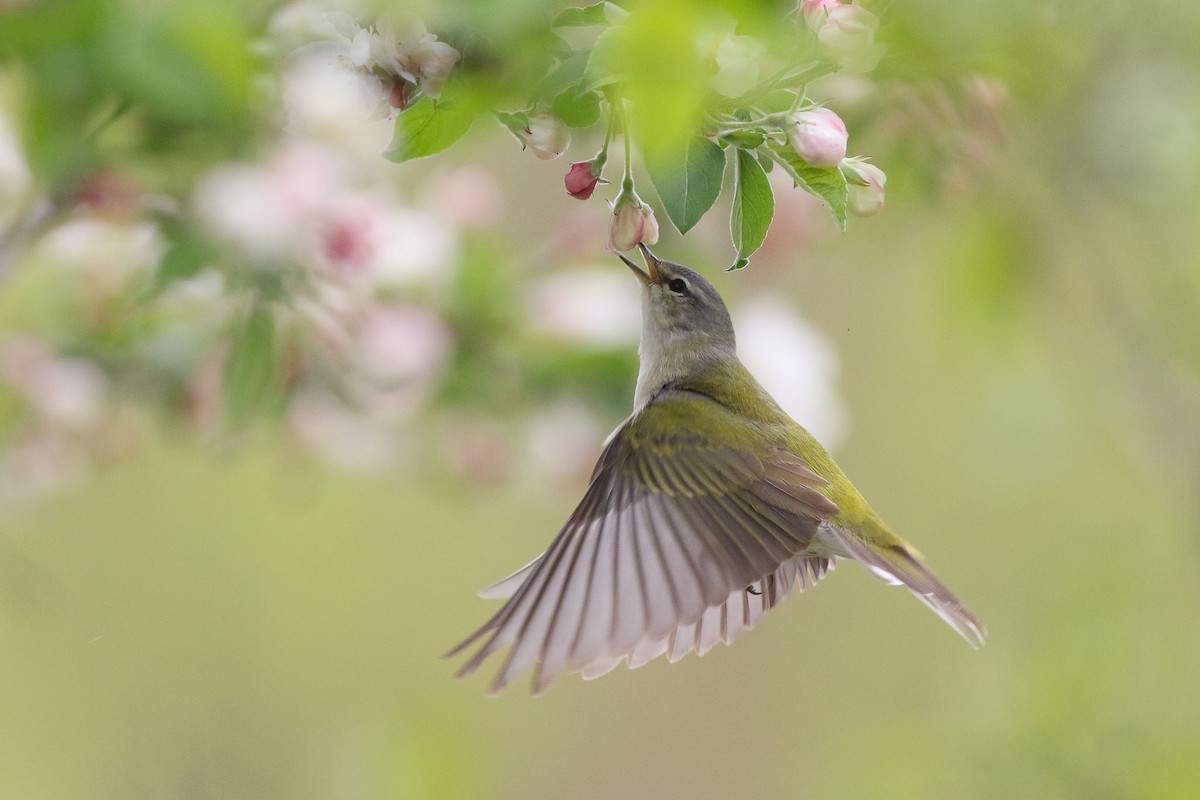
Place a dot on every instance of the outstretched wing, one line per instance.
(673, 525)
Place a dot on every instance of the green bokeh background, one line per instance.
(1020, 361)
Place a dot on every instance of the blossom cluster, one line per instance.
(805, 138)
(399, 53)
(302, 286)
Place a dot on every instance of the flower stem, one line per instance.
(627, 181)
(601, 157)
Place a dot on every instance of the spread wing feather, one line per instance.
(658, 556)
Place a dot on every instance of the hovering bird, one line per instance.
(708, 505)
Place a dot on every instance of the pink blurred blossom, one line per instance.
(469, 196)
(399, 345)
(344, 436)
(266, 208)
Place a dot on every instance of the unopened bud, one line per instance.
(582, 178)
(547, 135)
(865, 183)
(819, 137)
(632, 223)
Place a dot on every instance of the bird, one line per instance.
(707, 506)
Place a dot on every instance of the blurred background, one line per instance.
(272, 408)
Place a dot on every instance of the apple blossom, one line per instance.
(433, 61)
(865, 183)
(848, 36)
(819, 137)
(401, 54)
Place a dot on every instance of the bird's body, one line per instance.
(707, 506)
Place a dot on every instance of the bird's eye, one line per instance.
(678, 286)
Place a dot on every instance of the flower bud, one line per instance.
(632, 223)
(819, 137)
(815, 12)
(582, 178)
(547, 135)
(865, 183)
(848, 36)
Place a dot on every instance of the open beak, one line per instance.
(650, 274)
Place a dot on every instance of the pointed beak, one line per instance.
(650, 274)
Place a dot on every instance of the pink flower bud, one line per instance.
(816, 12)
(848, 35)
(547, 136)
(631, 224)
(865, 182)
(582, 178)
(819, 137)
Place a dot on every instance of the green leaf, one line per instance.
(753, 207)
(569, 72)
(429, 127)
(250, 370)
(577, 109)
(595, 14)
(606, 63)
(688, 180)
(827, 184)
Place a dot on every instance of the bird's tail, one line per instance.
(899, 563)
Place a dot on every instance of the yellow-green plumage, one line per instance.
(706, 507)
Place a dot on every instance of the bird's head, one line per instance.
(686, 328)
(679, 307)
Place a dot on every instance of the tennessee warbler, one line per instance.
(707, 506)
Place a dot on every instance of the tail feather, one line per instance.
(899, 564)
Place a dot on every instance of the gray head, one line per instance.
(685, 325)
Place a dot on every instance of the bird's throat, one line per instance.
(673, 356)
